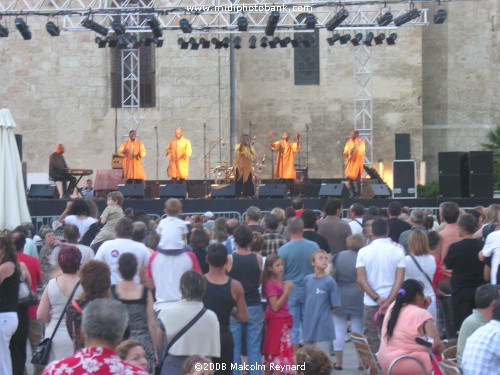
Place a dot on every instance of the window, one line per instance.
(306, 60)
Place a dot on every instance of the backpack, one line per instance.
(74, 323)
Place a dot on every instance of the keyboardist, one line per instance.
(58, 171)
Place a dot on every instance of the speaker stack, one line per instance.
(404, 169)
(481, 179)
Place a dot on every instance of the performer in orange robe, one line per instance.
(354, 153)
(243, 165)
(285, 162)
(133, 151)
(179, 151)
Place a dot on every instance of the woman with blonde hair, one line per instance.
(280, 214)
(219, 231)
(131, 351)
(490, 222)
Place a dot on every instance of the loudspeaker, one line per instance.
(223, 191)
(172, 191)
(338, 190)
(451, 186)
(405, 178)
(19, 141)
(480, 162)
(42, 191)
(132, 190)
(272, 190)
(453, 174)
(403, 146)
(454, 163)
(481, 179)
(481, 185)
(371, 191)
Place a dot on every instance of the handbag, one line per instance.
(42, 351)
(177, 337)
(26, 296)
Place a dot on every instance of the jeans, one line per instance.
(253, 333)
(297, 307)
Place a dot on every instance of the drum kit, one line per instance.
(225, 174)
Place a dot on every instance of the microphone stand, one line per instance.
(157, 151)
(206, 159)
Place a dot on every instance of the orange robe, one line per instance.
(132, 163)
(355, 161)
(285, 167)
(179, 151)
(243, 162)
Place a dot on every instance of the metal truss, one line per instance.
(131, 93)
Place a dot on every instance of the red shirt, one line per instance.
(93, 361)
(33, 266)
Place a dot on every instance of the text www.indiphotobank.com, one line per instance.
(238, 8)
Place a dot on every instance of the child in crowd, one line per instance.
(197, 365)
(314, 361)
(172, 230)
(322, 295)
(278, 319)
(109, 217)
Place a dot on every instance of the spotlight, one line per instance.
(136, 43)
(273, 43)
(392, 39)
(204, 43)
(237, 42)
(334, 38)
(155, 26)
(118, 28)
(23, 28)
(274, 17)
(310, 21)
(194, 44)
(217, 43)
(345, 38)
(337, 19)
(158, 42)
(407, 17)
(52, 28)
(285, 42)
(252, 42)
(182, 43)
(242, 24)
(122, 41)
(379, 39)
(440, 16)
(385, 19)
(94, 26)
(368, 39)
(357, 38)
(295, 42)
(263, 42)
(112, 42)
(4, 32)
(185, 26)
(225, 42)
(101, 43)
(146, 42)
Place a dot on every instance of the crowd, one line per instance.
(275, 294)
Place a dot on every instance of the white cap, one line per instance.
(209, 214)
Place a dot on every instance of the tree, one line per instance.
(494, 146)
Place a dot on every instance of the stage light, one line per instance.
(122, 41)
(94, 26)
(23, 28)
(385, 19)
(272, 22)
(391, 40)
(368, 39)
(185, 26)
(310, 21)
(52, 28)
(154, 25)
(345, 38)
(101, 43)
(379, 39)
(263, 42)
(158, 42)
(334, 38)
(194, 44)
(273, 43)
(118, 28)
(242, 24)
(337, 19)
(252, 42)
(237, 42)
(440, 16)
(357, 39)
(295, 42)
(135, 42)
(204, 43)
(4, 32)
(146, 42)
(285, 42)
(112, 42)
(225, 42)
(217, 43)
(407, 17)
(182, 43)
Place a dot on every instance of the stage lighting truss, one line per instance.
(303, 41)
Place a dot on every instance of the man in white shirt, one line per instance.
(356, 212)
(71, 235)
(380, 270)
(492, 248)
(110, 251)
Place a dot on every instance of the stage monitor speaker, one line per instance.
(453, 174)
(272, 190)
(371, 191)
(223, 191)
(19, 141)
(42, 191)
(405, 178)
(132, 190)
(480, 162)
(403, 146)
(172, 191)
(337, 190)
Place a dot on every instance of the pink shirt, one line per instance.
(449, 235)
(274, 288)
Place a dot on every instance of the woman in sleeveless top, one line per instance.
(221, 296)
(246, 267)
(139, 303)
(54, 300)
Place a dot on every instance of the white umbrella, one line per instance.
(13, 205)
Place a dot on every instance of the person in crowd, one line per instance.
(199, 242)
(356, 212)
(296, 255)
(321, 296)
(109, 252)
(231, 226)
(71, 233)
(110, 217)
(252, 219)
(490, 223)
(203, 338)
(417, 221)
(222, 295)
(373, 211)
(95, 279)
(197, 365)
(277, 348)
(485, 301)
(54, 299)
(367, 229)
(208, 220)
(280, 215)
(257, 244)
(316, 361)
(463, 259)
(103, 326)
(246, 268)
(50, 241)
(219, 232)
(172, 230)
(448, 213)
(289, 213)
(139, 302)
(30, 245)
(396, 225)
(131, 351)
(77, 213)
(298, 206)
(351, 297)
(87, 191)
(380, 269)
(430, 222)
(421, 265)
(272, 240)
(309, 218)
(140, 234)
(332, 227)
(407, 318)
(492, 249)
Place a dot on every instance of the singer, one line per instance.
(133, 152)
(354, 154)
(285, 168)
(243, 165)
(179, 151)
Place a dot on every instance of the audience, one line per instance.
(77, 213)
(356, 212)
(309, 218)
(448, 213)
(110, 218)
(50, 241)
(131, 351)
(71, 238)
(197, 365)
(208, 220)
(417, 221)
(231, 226)
(252, 219)
(396, 225)
(280, 215)
(492, 249)
(272, 239)
(219, 231)
(314, 360)
(332, 227)
(199, 242)
(298, 206)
